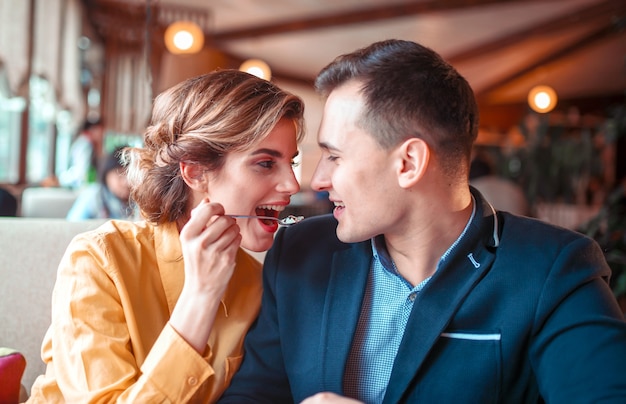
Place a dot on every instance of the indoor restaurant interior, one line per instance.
(549, 77)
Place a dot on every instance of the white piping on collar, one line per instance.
(496, 239)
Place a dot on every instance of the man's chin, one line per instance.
(346, 236)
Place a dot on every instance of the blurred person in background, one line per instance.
(501, 192)
(109, 197)
(83, 156)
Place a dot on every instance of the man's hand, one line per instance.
(329, 398)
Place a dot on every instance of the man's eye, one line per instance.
(295, 164)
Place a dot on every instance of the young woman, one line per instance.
(156, 311)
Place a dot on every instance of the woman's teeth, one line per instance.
(278, 208)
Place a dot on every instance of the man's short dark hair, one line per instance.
(410, 91)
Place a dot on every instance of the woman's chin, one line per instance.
(257, 245)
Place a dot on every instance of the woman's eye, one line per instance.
(331, 157)
(267, 164)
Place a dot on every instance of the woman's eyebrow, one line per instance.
(272, 152)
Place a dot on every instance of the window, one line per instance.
(41, 137)
(11, 109)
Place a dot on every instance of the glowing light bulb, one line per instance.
(183, 40)
(184, 37)
(257, 67)
(542, 99)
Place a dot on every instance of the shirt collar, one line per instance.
(380, 252)
(169, 260)
(379, 249)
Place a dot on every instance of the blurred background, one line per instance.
(550, 77)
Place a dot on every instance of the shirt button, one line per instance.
(412, 296)
(192, 381)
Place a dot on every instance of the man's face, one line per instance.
(354, 169)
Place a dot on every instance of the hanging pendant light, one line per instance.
(542, 99)
(257, 67)
(184, 37)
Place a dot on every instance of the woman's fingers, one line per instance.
(223, 234)
(208, 224)
(210, 242)
(200, 218)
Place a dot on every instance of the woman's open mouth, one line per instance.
(269, 211)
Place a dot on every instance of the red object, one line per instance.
(12, 367)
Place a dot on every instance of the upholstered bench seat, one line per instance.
(30, 252)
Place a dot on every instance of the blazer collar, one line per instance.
(437, 303)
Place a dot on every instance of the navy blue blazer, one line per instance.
(520, 312)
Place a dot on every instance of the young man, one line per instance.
(416, 289)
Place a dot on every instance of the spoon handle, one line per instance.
(286, 221)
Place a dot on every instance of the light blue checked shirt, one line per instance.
(385, 311)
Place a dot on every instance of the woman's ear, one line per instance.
(414, 155)
(194, 176)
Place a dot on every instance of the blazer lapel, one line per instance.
(431, 314)
(441, 297)
(348, 278)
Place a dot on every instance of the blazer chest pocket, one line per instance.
(466, 365)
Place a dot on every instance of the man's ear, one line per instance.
(194, 176)
(414, 155)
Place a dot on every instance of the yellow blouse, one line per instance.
(110, 338)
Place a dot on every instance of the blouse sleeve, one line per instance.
(91, 345)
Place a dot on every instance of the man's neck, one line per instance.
(417, 250)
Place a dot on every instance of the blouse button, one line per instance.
(192, 381)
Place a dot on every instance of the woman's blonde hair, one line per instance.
(200, 121)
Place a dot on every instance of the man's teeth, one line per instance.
(339, 204)
(278, 208)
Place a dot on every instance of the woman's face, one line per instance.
(258, 181)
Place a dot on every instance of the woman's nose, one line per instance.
(290, 184)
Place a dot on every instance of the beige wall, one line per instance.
(312, 114)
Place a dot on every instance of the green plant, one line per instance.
(608, 228)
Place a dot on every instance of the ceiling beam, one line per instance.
(372, 14)
(607, 9)
(613, 27)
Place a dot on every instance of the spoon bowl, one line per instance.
(285, 221)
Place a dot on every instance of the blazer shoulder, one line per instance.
(533, 230)
(314, 230)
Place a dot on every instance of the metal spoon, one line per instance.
(285, 221)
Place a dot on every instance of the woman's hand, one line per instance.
(209, 243)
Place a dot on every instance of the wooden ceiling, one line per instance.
(503, 47)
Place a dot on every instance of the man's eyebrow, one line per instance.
(273, 152)
(327, 146)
